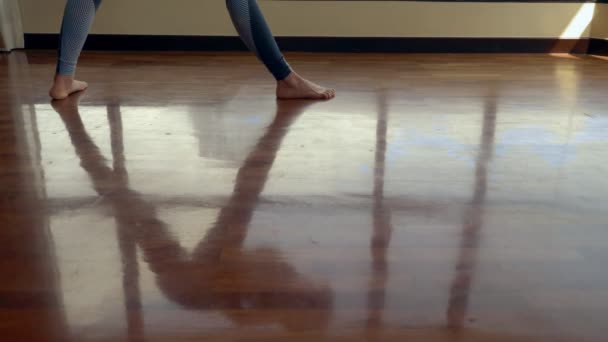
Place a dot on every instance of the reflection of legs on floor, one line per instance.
(188, 280)
(252, 175)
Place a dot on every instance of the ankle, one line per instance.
(64, 79)
(291, 80)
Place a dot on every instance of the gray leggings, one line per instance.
(245, 14)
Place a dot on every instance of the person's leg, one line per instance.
(254, 32)
(77, 20)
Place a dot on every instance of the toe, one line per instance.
(78, 86)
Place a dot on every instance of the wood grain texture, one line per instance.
(437, 198)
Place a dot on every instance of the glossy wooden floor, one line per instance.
(437, 198)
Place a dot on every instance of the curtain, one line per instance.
(11, 31)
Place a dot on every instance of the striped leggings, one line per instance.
(246, 16)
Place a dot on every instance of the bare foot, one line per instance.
(69, 105)
(296, 87)
(64, 86)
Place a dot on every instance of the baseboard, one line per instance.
(320, 44)
(598, 47)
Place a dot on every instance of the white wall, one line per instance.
(600, 22)
(321, 18)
